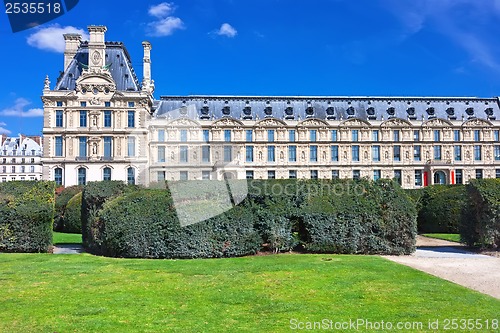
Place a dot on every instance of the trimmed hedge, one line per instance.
(94, 196)
(72, 220)
(480, 220)
(26, 216)
(360, 217)
(62, 200)
(134, 227)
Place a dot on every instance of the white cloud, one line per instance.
(161, 10)
(51, 38)
(17, 110)
(165, 27)
(227, 30)
(3, 130)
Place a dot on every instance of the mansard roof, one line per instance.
(14, 146)
(331, 108)
(118, 60)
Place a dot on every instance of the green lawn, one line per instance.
(85, 293)
(62, 238)
(448, 237)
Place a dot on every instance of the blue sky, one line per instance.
(270, 47)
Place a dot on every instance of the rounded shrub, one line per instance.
(72, 220)
(62, 200)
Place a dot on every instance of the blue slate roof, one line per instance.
(117, 58)
(329, 108)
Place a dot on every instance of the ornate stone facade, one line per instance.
(417, 140)
(20, 158)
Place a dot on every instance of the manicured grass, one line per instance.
(448, 237)
(84, 293)
(62, 238)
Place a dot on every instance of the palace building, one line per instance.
(101, 122)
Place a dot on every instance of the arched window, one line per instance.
(106, 173)
(58, 176)
(82, 176)
(131, 176)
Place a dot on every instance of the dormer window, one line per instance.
(450, 111)
(247, 110)
(289, 112)
(430, 111)
(489, 112)
(470, 112)
(391, 112)
(350, 111)
(226, 110)
(268, 111)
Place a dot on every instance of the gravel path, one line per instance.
(452, 262)
(67, 249)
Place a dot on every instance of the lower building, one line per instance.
(20, 158)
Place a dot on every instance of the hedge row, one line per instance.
(72, 219)
(63, 196)
(480, 222)
(338, 216)
(26, 216)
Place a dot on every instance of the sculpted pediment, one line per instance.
(270, 122)
(476, 122)
(438, 122)
(94, 83)
(396, 122)
(314, 122)
(183, 122)
(227, 122)
(355, 122)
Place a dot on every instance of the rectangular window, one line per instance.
(106, 174)
(477, 135)
(270, 135)
(270, 153)
(206, 135)
(131, 119)
(418, 177)
(249, 154)
(437, 136)
(356, 174)
(227, 135)
(228, 153)
(161, 154)
(376, 153)
(375, 135)
(59, 103)
(376, 175)
(416, 135)
(249, 135)
(355, 153)
(108, 143)
(83, 118)
(477, 153)
(314, 174)
(83, 104)
(183, 175)
(82, 146)
(160, 176)
(312, 135)
(161, 135)
(183, 154)
(456, 135)
(205, 175)
(355, 135)
(131, 104)
(457, 151)
(32, 168)
(417, 153)
(496, 153)
(335, 174)
(184, 135)
(397, 176)
(479, 173)
(497, 173)
(107, 104)
(496, 135)
(397, 153)
(313, 153)
(249, 174)
(107, 118)
(396, 135)
(334, 135)
(335, 153)
(59, 146)
(292, 153)
(458, 176)
(59, 118)
(437, 152)
(205, 154)
(130, 146)
(292, 174)
(271, 174)
(291, 135)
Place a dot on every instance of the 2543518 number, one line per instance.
(32, 8)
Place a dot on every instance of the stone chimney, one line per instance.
(97, 48)
(146, 80)
(72, 44)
